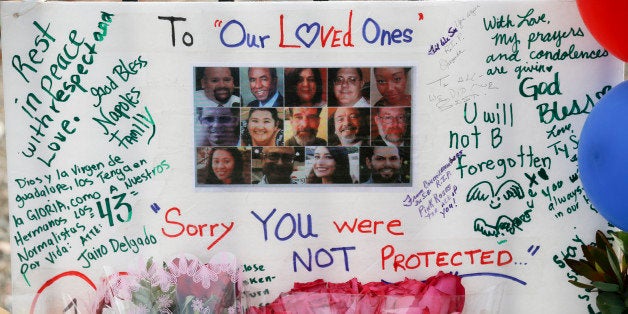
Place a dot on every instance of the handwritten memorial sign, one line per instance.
(297, 141)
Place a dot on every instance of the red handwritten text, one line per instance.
(308, 33)
(409, 261)
(369, 226)
(177, 229)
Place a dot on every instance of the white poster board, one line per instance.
(108, 168)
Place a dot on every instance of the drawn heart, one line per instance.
(67, 275)
(543, 174)
(549, 68)
(311, 31)
(72, 276)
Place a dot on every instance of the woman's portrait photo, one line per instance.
(262, 126)
(330, 165)
(223, 165)
(305, 87)
(392, 87)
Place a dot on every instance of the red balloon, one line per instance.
(607, 20)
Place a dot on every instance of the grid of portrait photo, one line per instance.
(306, 126)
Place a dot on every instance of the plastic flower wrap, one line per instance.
(181, 285)
(440, 294)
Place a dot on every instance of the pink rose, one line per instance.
(306, 302)
(440, 294)
(344, 296)
(203, 281)
(377, 288)
(276, 306)
(307, 297)
(352, 286)
(370, 304)
(318, 285)
(411, 286)
(444, 294)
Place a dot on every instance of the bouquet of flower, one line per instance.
(440, 294)
(182, 285)
(606, 266)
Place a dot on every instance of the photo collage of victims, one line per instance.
(309, 126)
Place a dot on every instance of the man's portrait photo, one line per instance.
(349, 126)
(265, 87)
(349, 87)
(219, 87)
(215, 126)
(384, 165)
(391, 126)
(278, 165)
(306, 126)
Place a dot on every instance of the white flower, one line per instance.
(163, 303)
(197, 305)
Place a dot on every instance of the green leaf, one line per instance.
(622, 238)
(142, 296)
(609, 303)
(605, 286)
(149, 263)
(581, 285)
(615, 265)
(582, 268)
(186, 307)
(587, 252)
(602, 259)
(601, 241)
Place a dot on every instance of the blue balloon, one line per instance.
(603, 156)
